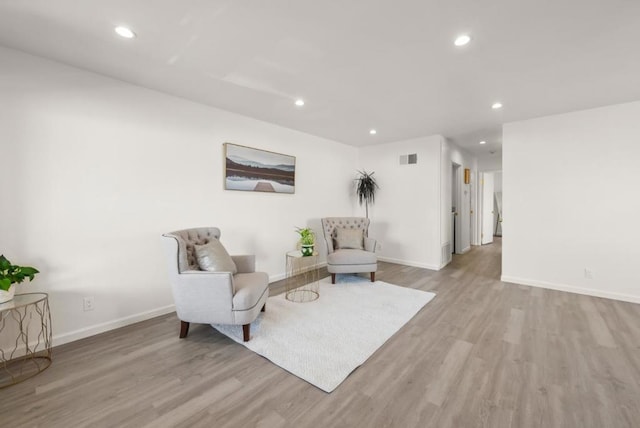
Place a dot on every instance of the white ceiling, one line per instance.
(358, 64)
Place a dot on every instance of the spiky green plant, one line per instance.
(366, 189)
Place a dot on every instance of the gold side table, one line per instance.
(302, 270)
(25, 337)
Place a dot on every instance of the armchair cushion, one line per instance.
(213, 257)
(351, 257)
(349, 238)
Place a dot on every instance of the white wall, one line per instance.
(571, 194)
(406, 215)
(94, 170)
(490, 162)
(412, 213)
(497, 181)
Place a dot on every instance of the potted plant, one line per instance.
(11, 275)
(366, 189)
(307, 240)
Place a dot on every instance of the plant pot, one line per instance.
(307, 250)
(5, 296)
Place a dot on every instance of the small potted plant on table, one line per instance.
(10, 275)
(307, 240)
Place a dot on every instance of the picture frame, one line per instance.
(255, 170)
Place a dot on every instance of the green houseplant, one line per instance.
(307, 240)
(366, 188)
(12, 274)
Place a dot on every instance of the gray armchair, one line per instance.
(212, 297)
(349, 249)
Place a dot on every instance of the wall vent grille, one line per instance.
(446, 253)
(410, 159)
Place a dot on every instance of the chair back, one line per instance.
(330, 224)
(186, 240)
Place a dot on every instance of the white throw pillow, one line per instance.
(349, 238)
(213, 257)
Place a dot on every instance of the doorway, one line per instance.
(486, 207)
(497, 206)
(455, 208)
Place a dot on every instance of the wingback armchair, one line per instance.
(349, 248)
(218, 297)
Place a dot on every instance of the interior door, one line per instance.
(487, 208)
(498, 215)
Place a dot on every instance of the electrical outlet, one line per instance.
(588, 273)
(88, 303)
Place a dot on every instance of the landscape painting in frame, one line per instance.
(258, 170)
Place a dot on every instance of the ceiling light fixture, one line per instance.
(462, 40)
(373, 132)
(483, 142)
(125, 32)
(496, 106)
(299, 102)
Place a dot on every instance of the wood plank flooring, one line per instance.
(482, 354)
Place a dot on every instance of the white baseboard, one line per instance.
(277, 277)
(61, 339)
(571, 289)
(409, 263)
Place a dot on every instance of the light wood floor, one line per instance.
(482, 353)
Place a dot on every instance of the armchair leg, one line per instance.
(245, 332)
(184, 329)
(373, 277)
(333, 278)
(264, 307)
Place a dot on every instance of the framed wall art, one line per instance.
(256, 170)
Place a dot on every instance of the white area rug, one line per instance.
(325, 340)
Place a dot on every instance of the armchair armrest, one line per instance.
(245, 263)
(198, 294)
(370, 244)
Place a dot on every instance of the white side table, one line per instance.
(302, 269)
(25, 337)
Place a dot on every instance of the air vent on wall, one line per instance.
(411, 159)
(446, 253)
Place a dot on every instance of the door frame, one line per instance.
(482, 210)
(456, 178)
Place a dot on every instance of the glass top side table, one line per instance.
(303, 277)
(25, 337)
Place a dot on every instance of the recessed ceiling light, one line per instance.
(125, 32)
(483, 142)
(373, 132)
(299, 102)
(462, 40)
(496, 106)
